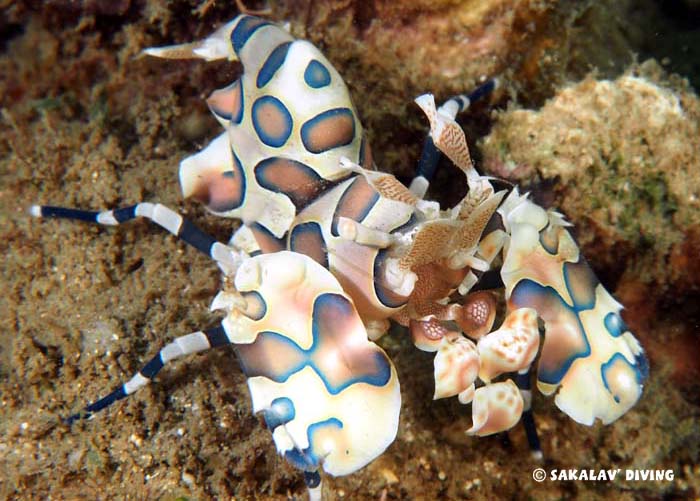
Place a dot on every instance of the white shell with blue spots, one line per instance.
(289, 91)
(288, 122)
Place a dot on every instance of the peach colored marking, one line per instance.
(339, 356)
(357, 200)
(218, 191)
(368, 161)
(293, 181)
(271, 120)
(266, 242)
(336, 130)
(582, 283)
(564, 337)
(226, 101)
(312, 245)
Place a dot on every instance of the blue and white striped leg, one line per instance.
(430, 156)
(181, 346)
(157, 213)
(522, 381)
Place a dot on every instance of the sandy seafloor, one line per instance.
(87, 124)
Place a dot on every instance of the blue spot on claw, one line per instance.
(615, 325)
(274, 62)
(316, 75)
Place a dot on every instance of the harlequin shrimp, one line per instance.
(330, 250)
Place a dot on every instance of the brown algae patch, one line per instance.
(620, 158)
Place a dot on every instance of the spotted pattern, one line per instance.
(330, 129)
(222, 191)
(244, 30)
(294, 179)
(272, 121)
(316, 75)
(355, 203)
(276, 356)
(227, 103)
(273, 63)
(307, 239)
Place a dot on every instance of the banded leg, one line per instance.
(157, 213)
(313, 484)
(522, 381)
(181, 346)
(430, 156)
